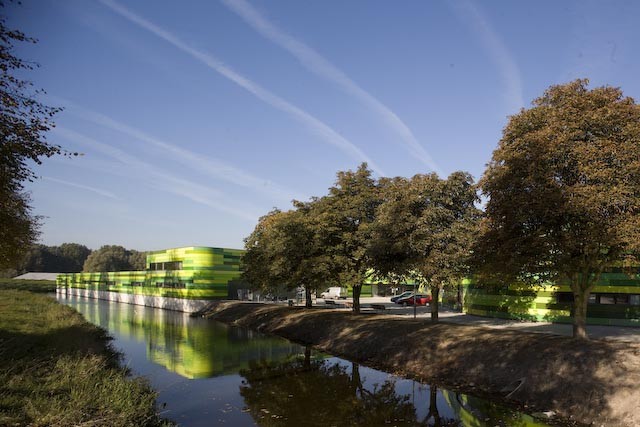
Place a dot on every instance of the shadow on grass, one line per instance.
(39, 286)
(80, 340)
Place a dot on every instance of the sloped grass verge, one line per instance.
(59, 370)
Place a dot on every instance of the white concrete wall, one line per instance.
(167, 303)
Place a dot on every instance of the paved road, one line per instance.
(620, 333)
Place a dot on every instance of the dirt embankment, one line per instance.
(594, 382)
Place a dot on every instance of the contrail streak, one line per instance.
(319, 127)
(492, 42)
(322, 67)
(159, 179)
(99, 191)
(206, 165)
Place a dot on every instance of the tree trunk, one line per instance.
(433, 407)
(307, 357)
(435, 295)
(580, 301)
(356, 381)
(357, 290)
(307, 294)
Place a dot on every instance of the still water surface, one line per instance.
(208, 373)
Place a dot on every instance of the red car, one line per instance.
(418, 300)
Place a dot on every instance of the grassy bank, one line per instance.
(59, 370)
(40, 286)
(591, 382)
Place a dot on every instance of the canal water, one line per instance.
(209, 374)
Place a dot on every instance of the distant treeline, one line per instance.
(74, 258)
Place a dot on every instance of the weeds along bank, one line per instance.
(59, 370)
(590, 382)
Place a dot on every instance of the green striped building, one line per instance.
(193, 272)
(614, 301)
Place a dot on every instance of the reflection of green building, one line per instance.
(475, 412)
(614, 301)
(191, 272)
(190, 347)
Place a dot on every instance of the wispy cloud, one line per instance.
(469, 12)
(322, 67)
(209, 166)
(327, 133)
(99, 191)
(160, 179)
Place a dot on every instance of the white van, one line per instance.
(331, 293)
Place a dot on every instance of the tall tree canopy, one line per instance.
(424, 230)
(563, 191)
(113, 258)
(347, 214)
(24, 122)
(285, 251)
(66, 258)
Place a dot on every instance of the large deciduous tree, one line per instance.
(66, 258)
(24, 122)
(424, 230)
(111, 258)
(285, 250)
(563, 191)
(259, 256)
(347, 214)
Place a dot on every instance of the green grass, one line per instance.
(28, 285)
(59, 370)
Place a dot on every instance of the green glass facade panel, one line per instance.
(542, 303)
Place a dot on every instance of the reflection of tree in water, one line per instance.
(307, 391)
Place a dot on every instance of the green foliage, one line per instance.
(424, 230)
(319, 243)
(563, 191)
(419, 229)
(42, 286)
(114, 258)
(66, 258)
(137, 260)
(346, 214)
(24, 121)
(62, 370)
(285, 251)
(19, 228)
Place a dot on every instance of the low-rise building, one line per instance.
(193, 272)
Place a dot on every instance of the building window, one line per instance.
(564, 298)
(614, 298)
(169, 265)
(607, 299)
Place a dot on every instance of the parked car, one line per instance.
(415, 299)
(331, 293)
(402, 295)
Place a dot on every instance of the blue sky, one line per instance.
(197, 117)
